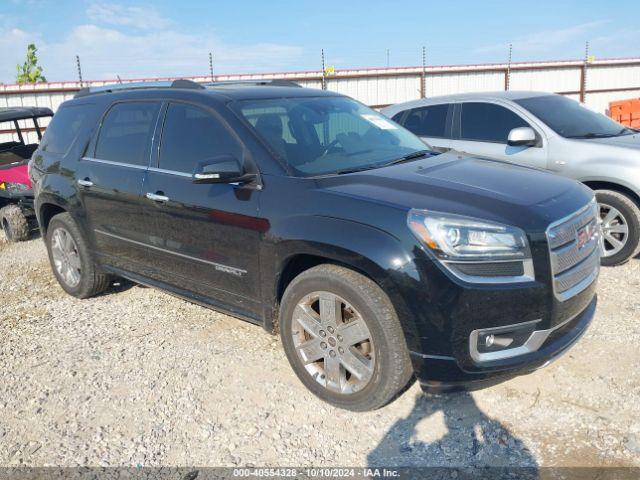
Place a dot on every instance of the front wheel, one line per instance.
(343, 338)
(620, 218)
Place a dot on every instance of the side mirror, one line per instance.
(522, 137)
(222, 169)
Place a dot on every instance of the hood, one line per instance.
(467, 185)
(624, 141)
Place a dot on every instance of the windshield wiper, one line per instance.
(408, 157)
(354, 170)
(597, 135)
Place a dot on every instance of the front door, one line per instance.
(110, 179)
(205, 236)
(483, 129)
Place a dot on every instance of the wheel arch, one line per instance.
(614, 186)
(46, 211)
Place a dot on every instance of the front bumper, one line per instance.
(442, 373)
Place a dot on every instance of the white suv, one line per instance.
(545, 131)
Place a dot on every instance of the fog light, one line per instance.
(500, 342)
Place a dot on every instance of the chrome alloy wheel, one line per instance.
(333, 342)
(66, 258)
(615, 230)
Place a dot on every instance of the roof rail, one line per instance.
(116, 87)
(268, 83)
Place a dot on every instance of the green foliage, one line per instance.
(30, 71)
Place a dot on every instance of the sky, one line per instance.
(134, 39)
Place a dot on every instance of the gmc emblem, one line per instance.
(585, 234)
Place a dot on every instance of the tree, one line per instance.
(30, 71)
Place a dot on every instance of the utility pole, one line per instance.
(387, 57)
(79, 70)
(211, 65)
(324, 73)
(423, 76)
(507, 76)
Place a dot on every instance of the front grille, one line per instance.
(574, 265)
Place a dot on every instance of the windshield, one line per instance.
(325, 135)
(571, 119)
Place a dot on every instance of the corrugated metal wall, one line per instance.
(604, 81)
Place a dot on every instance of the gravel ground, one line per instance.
(137, 377)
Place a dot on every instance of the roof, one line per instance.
(461, 97)
(242, 90)
(19, 113)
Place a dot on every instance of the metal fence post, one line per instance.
(583, 75)
(79, 70)
(507, 73)
(423, 74)
(324, 72)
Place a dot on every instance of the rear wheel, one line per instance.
(620, 218)
(72, 264)
(14, 223)
(343, 338)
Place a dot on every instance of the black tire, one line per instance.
(14, 223)
(392, 368)
(92, 280)
(628, 208)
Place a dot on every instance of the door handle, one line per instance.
(85, 183)
(157, 198)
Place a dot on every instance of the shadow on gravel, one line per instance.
(472, 439)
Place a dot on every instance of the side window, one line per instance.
(428, 121)
(192, 135)
(126, 132)
(64, 128)
(487, 122)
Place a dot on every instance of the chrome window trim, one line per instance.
(218, 266)
(170, 172)
(527, 276)
(115, 164)
(533, 343)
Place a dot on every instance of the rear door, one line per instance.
(204, 237)
(110, 178)
(482, 128)
(431, 123)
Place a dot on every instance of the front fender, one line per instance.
(373, 252)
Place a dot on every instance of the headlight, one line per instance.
(475, 250)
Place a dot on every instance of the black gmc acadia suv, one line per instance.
(306, 212)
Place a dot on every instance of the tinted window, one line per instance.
(327, 135)
(487, 122)
(192, 135)
(571, 119)
(428, 121)
(126, 133)
(64, 128)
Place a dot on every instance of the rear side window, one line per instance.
(126, 132)
(487, 122)
(191, 136)
(64, 128)
(428, 121)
